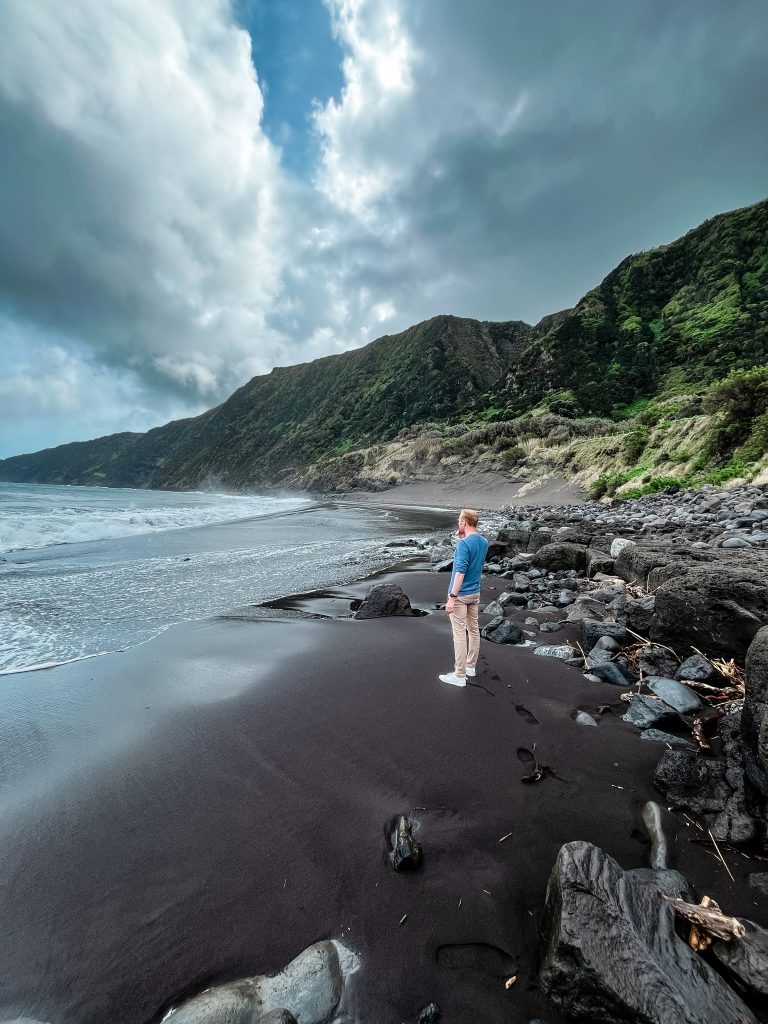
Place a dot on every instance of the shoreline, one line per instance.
(219, 800)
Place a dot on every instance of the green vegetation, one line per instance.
(660, 369)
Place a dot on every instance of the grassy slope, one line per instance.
(572, 393)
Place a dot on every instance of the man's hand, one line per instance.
(450, 604)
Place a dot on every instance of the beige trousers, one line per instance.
(464, 623)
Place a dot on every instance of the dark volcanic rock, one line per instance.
(405, 852)
(445, 566)
(679, 697)
(639, 612)
(503, 632)
(277, 1017)
(599, 561)
(711, 789)
(746, 958)
(718, 610)
(384, 599)
(656, 661)
(754, 719)
(610, 672)
(593, 629)
(699, 670)
(430, 1014)
(559, 557)
(610, 953)
(645, 712)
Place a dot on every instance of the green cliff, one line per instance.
(673, 321)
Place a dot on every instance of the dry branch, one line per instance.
(709, 919)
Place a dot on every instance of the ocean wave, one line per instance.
(25, 526)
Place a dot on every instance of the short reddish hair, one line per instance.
(470, 517)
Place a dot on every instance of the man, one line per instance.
(464, 598)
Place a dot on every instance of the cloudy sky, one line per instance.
(193, 193)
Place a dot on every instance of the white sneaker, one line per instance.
(453, 679)
(470, 671)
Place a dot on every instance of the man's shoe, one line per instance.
(453, 679)
(470, 671)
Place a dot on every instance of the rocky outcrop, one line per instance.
(746, 958)
(754, 719)
(559, 557)
(716, 609)
(712, 789)
(610, 952)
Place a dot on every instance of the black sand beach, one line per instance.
(206, 806)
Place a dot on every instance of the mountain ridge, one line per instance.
(696, 307)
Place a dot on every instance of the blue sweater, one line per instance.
(469, 558)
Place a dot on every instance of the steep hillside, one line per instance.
(698, 305)
(277, 424)
(666, 325)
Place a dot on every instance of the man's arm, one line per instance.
(458, 579)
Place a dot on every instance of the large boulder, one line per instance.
(754, 718)
(715, 609)
(610, 952)
(384, 599)
(309, 987)
(561, 557)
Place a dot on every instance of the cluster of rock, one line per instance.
(649, 584)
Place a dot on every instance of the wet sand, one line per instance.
(206, 806)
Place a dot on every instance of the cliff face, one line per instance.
(697, 307)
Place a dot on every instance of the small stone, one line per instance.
(610, 672)
(618, 545)
(562, 652)
(657, 736)
(405, 852)
(699, 670)
(430, 1014)
(584, 719)
(593, 629)
(550, 627)
(679, 697)
(736, 542)
(494, 609)
(644, 712)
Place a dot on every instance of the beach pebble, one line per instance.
(584, 719)
(405, 852)
(644, 712)
(610, 672)
(657, 736)
(593, 629)
(430, 1014)
(699, 670)
(494, 608)
(679, 697)
(563, 652)
(550, 627)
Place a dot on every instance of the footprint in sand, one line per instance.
(527, 715)
(476, 956)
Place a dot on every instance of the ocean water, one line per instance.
(90, 570)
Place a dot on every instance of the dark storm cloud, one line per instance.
(492, 160)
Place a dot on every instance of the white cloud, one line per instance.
(489, 160)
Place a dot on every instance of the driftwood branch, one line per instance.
(709, 919)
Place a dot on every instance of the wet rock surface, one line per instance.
(308, 989)
(384, 599)
(406, 852)
(610, 952)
